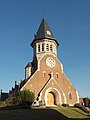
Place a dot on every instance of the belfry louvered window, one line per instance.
(39, 48)
(43, 47)
(47, 47)
(51, 48)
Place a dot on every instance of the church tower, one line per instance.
(44, 41)
(44, 75)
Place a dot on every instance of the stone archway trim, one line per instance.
(55, 91)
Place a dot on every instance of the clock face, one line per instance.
(50, 62)
(48, 32)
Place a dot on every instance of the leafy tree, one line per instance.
(65, 105)
(25, 97)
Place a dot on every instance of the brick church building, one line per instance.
(44, 75)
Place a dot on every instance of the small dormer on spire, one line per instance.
(43, 32)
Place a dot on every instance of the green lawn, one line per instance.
(56, 113)
(71, 112)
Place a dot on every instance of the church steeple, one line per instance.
(43, 32)
(44, 41)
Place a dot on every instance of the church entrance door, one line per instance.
(51, 98)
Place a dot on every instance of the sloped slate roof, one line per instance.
(29, 64)
(44, 31)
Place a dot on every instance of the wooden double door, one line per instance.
(51, 98)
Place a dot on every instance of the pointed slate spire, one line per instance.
(43, 32)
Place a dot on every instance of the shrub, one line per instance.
(2, 104)
(21, 98)
(77, 105)
(11, 100)
(25, 97)
(65, 105)
(81, 107)
(86, 102)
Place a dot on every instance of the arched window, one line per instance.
(57, 75)
(70, 96)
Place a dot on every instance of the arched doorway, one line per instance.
(51, 98)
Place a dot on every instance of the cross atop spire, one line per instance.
(43, 32)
